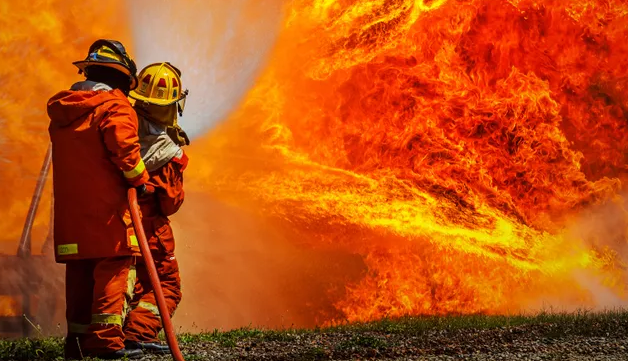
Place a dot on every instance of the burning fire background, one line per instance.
(360, 159)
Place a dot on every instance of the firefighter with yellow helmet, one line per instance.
(158, 100)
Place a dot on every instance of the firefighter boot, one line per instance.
(125, 353)
(153, 347)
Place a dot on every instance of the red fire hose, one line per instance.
(154, 278)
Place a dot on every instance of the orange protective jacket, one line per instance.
(96, 158)
(166, 200)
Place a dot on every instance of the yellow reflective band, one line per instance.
(125, 308)
(150, 307)
(107, 319)
(77, 328)
(130, 282)
(130, 289)
(67, 249)
(134, 240)
(138, 170)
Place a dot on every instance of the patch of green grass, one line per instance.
(363, 341)
(32, 349)
(240, 334)
(580, 323)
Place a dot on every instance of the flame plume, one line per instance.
(451, 144)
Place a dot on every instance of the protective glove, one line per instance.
(144, 190)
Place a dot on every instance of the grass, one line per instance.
(580, 322)
(362, 335)
(31, 349)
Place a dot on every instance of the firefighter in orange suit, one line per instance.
(96, 158)
(157, 100)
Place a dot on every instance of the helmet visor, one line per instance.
(181, 102)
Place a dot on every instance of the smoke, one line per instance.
(42, 280)
(235, 270)
(238, 270)
(603, 227)
(219, 46)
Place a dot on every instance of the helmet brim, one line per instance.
(82, 64)
(133, 94)
(136, 96)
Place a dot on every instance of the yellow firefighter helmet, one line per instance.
(160, 84)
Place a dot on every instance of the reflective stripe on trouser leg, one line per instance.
(107, 319)
(110, 297)
(77, 328)
(149, 306)
(144, 323)
(130, 290)
(152, 309)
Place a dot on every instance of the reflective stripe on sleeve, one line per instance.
(135, 172)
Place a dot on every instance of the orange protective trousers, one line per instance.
(98, 294)
(144, 322)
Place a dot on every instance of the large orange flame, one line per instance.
(451, 144)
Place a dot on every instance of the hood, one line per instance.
(67, 106)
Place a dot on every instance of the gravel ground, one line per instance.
(513, 343)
